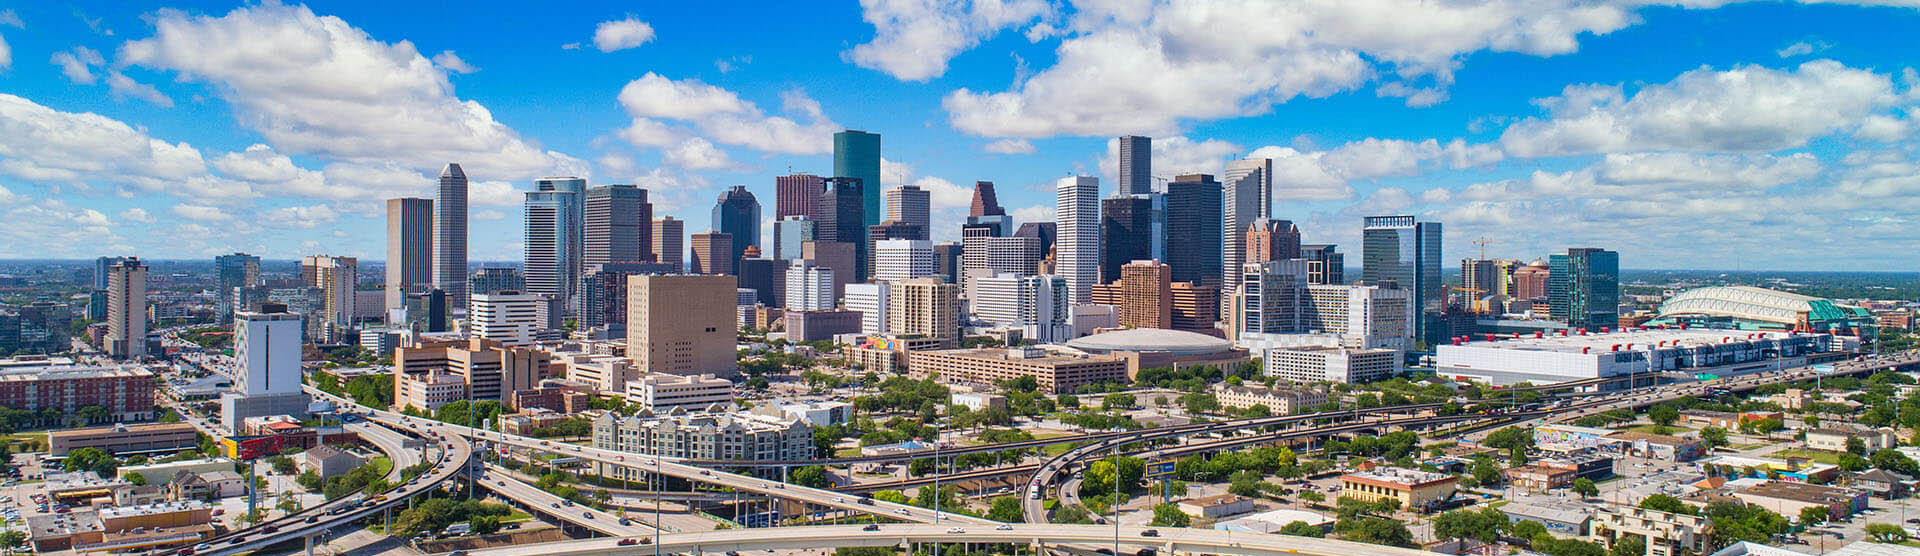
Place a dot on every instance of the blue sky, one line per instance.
(1763, 135)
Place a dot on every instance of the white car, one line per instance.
(955, 530)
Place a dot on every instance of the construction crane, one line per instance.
(1473, 300)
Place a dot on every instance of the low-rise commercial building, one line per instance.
(1416, 490)
(1279, 401)
(159, 473)
(1658, 446)
(1835, 439)
(1056, 372)
(526, 422)
(661, 393)
(886, 355)
(1794, 470)
(1582, 354)
(124, 439)
(1789, 498)
(329, 461)
(1567, 519)
(1214, 507)
(977, 401)
(819, 413)
(554, 398)
(1665, 533)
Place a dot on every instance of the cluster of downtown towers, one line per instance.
(1199, 227)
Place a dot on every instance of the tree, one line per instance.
(1313, 496)
(1892, 460)
(1464, 524)
(1663, 414)
(1072, 514)
(1713, 437)
(1813, 515)
(811, 476)
(1886, 533)
(1585, 488)
(309, 480)
(91, 459)
(12, 538)
(1169, 515)
(1374, 530)
(485, 524)
(1526, 529)
(1851, 462)
(1302, 529)
(134, 479)
(282, 465)
(1856, 446)
(1629, 545)
(1006, 509)
(1665, 503)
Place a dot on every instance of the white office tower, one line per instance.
(1276, 308)
(902, 259)
(510, 317)
(985, 256)
(1077, 246)
(1267, 303)
(1036, 305)
(266, 344)
(450, 236)
(809, 287)
(870, 300)
(127, 309)
(1368, 317)
(1246, 198)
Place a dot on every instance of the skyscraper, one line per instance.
(789, 232)
(912, 205)
(1136, 165)
(1325, 263)
(985, 202)
(738, 214)
(335, 278)
(810, 287)
(712, 253)
(674, 324)
(856, 154)
(923, 307)
(495, 280)
(1583, 288)
(1270, 240)
(1478, 279)
(554, 246)
(1406, 252)
(409, 249)
(1142, 297)
(1193, 219)
(127, 309)
(841, 218)
(232, 272)
(1077, 215)
(983, 255)
(1035, 304)
(619, 226)
(669, 242)
(266, 344)
(450, 236)
(797, 195)
(1246, 201)
(902, 259)
(1126, 233)
(101, 268)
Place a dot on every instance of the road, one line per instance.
(393, 443)
(503, 484)
(1166, 540)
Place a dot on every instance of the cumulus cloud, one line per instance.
(12, 19)
(716, 116)
(1744, 109)
(1010, 146)
(446, 59)
(914, 39)
(77, 65)
(1802, 48)
(121, 86)
(6, 53)
(40, 144)
(315, 85)
(697, 154)
(136, 215)
(621, 34)
(201, 213)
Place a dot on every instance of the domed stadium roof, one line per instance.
(1177, 342)
(1756, 304)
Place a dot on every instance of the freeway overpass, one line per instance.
(1167, 540)
(496, 479)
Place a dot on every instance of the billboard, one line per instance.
(252, 447)
(1158, 469)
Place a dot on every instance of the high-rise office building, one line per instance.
(1478, 279)
(1270, 240)
(1136, 165)
(335, 277)
(1193, 219)
(837, 255)
(619, 226)
(789, 232)
(512, 318)
(797, 195)
(1583, 288)
(1195, 307)
(870, 300)
(912, 205)
(232, 272)
(1126, 233)
(495, 280)
(985, 202)
(1406, 252)
(266, 340)
(946, 260)
(1325, 264)
(737, 213)
(1037, 305)
(127, 309)
(450, 236)
(39, 327)
(712, 253)
(1142, 297)
(927, 307)
(1046, 232)
(409, 249)
(902, 259)
(856, 154)
(1246, 201)
(1077, 215)
(1530, 281)
(983, 255)
(674, 327)
(670, 242)
(841, 218)
(810, 287)
(895, 229)
(555, 222)
(101, 268)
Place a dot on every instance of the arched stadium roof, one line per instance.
(1754, 304)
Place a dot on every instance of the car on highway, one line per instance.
(588, 515)
(1003, 527)
(1150, 533)
(903, 511)
(871, 527)
(955, 530)
(628, 542)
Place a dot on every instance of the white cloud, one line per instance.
(489, 215)
(1803, 48)
(655, 96)
(201, 213)
(315, 85)
(303, 217)
(1010, 146)
(448, 60)
(622, 34)
(570, 46)
(1036, 213)
(32, 226)
(10, 18)
(914, 39)
(41, 144)
(77, 65)
(1745, 109)
(136, 215)
(1173, 156)
(720, 117)
(122, 86)
(6, 53)
(697, 154)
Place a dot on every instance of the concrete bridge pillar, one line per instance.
(309, 539)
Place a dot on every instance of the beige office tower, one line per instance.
(409, 249)
(669, 241)
(682, 324)
(924, 307)
(127, 309)
(712, 253)
(335, 277)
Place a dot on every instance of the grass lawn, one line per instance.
(1831, 458)
(846, 452)
(516, 516)
(382, 465)
(1056, 449)
(1653, 429)
(1744, 447)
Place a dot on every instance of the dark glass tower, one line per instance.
(619, 225)
(1126, 233)
(1136, 165)
(1193, 225)
(856, 154)
(1400, 250)
(1583, 288)
(738, 214)
(842, 214)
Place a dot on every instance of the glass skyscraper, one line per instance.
(1401, 250)
(856, 154)
(1193, 223)
(554, 245)
(1583, 288)
(738, 214)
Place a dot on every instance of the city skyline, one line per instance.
(1626, 132)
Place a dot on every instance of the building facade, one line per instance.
(450, 235)
(672, 326)
(1077, 218)
(619, 226)
(670, 242)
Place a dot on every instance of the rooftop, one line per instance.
(1027, 355)
(1801, 492)
(1560, 512)
(1401, 477)
(1594, 341)
(156, 508)
(1153, 339)
(32, 373)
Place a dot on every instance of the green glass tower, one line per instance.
(856, 154)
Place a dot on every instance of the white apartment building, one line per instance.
(1334, 364)
(1038, 305)
(701, 436)
(902, 259)
(1275, 307)
(267, 352)
(509, 317)
(870, 300)
(428, 391)
(809, 287)
(1281, 401)
(661, 393)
